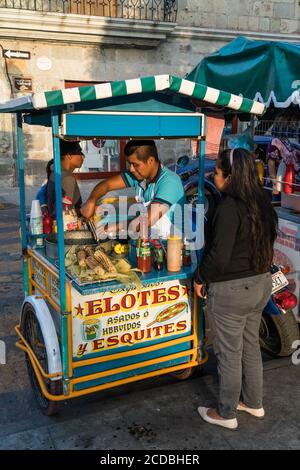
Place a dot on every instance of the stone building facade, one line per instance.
(68, 45)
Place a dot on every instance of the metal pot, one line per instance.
(78, 237)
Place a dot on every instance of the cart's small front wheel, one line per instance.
(183, 374)
(33, 335)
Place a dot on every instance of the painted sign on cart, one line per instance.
(126, 317)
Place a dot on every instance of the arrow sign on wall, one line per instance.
(8, 54)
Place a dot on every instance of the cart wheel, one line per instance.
(33, 335)
(183, 374)
(277, 333)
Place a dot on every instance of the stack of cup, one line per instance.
(36, 222)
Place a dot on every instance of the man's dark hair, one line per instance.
(67, 147)
(144, 149)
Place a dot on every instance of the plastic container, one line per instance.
(36, 223)
(174, 254)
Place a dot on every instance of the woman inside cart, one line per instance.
(235, 269)
(71, 158)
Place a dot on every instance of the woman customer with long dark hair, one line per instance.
(236, 271)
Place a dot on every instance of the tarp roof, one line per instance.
(94, 95)
(266, 71)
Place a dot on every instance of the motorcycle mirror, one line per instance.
(183, 161)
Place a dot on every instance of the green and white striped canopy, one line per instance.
(156, 83)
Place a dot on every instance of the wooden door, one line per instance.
(108, 8)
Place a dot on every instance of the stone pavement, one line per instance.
(157, 414)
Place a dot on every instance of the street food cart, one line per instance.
(79, 339)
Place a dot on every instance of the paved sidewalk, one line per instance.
(157, 414)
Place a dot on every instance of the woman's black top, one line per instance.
(227, 253)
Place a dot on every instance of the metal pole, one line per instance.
(201, 177)
(20, 160)
(61, 254)
(201, 201)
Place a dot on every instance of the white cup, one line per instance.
(36, 208)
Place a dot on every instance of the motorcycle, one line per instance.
(279, 328)
(187, 168)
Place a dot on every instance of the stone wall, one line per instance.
(273, 16)
(74, 54)
(92, 64)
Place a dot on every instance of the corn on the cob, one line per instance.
(99, 271)
(105, 261)
(93, 264)
(81, 257)
(89, 250)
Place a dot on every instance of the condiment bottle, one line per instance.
(158, 255)
(174, 254)
(143, 250)
(144, 256)
(186, 256)
(47, 222)
(36, 223)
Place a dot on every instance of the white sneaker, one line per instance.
(225, 423)
(257, 412)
